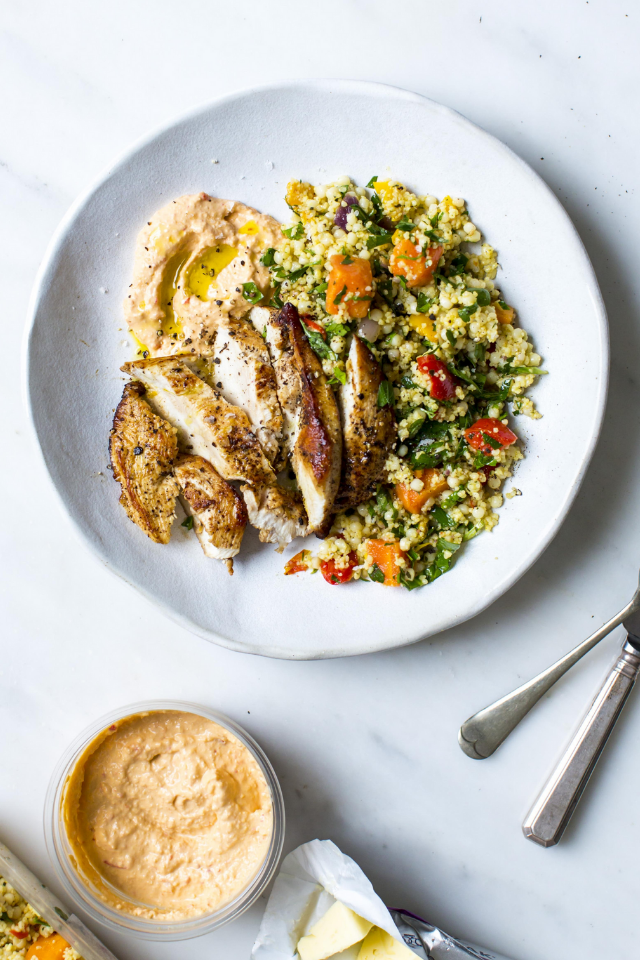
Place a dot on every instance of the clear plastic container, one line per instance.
(81, 890)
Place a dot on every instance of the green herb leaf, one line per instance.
(385, 289)
(424, 302)
(466, 312)
(383, 499)
(471, 532)
(372, 181)
(456, 267)
(477, 352)
(338, 299)
(435, 220)
(416, 426)
(483, 297)
(39, 922)
(417, 581)
(347, 260)
(505, 306)
(451, 337)
(296, 274)
(534, 371)
(268, 257)
(406, 225)
(339, 376)
(251, 293)
(379, 241)
(321, 288)
(480, 460)
(187, 523)
(337, 330)
(407, 382)
(376, 574)
(442, 564)
(385, 394)
(61, 913)
(5, 917)
(442, 518)
(296, 232)
(493, 443)
(318, 344)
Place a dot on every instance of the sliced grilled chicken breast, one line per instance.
(143, 447)
(367, 429)
(219, 512)
(240, 369)
(207, 425)
(210, 427)
(311, 428)
(277, 513)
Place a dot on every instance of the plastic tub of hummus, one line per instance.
(165, 819)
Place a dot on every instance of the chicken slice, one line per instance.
(368, 430)
(142, 448)
(219, 512)
(311, 427)
(277, 513)
(240, 368)
(208, 426)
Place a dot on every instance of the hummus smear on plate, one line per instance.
(193, 262)
(168, 815)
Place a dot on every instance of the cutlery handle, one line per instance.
(552, 811)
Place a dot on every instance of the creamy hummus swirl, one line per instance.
(191, 261)
(168, 815)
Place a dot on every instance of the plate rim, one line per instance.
(381, 90)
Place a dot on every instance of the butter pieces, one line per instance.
(380, 945)
(337, 930)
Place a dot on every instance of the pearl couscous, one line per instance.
(454, 360)
(24, 934)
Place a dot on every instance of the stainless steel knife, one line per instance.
(550, 814)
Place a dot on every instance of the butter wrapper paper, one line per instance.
(316, 875)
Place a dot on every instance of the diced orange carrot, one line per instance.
(416, 267)
(504, 315)
(48, 948)
(297, 564)
(414, 500)
(350, 285)
(385, 556)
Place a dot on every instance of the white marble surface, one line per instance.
(365, 748)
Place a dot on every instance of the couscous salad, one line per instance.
(411, 276)
(24, 934)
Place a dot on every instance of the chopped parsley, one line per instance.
(251, 293)
(376, 574)
(187, 523)
(296, 232)
(385, 394)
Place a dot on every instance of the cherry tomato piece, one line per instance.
(317, 327)
(333, 574)
(443, 383)
(488, 435)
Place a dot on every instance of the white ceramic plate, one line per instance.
(317, 131)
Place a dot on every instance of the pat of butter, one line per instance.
(380, 945)
(338, 929)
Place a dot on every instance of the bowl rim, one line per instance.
(327, 85)
(58, 847)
